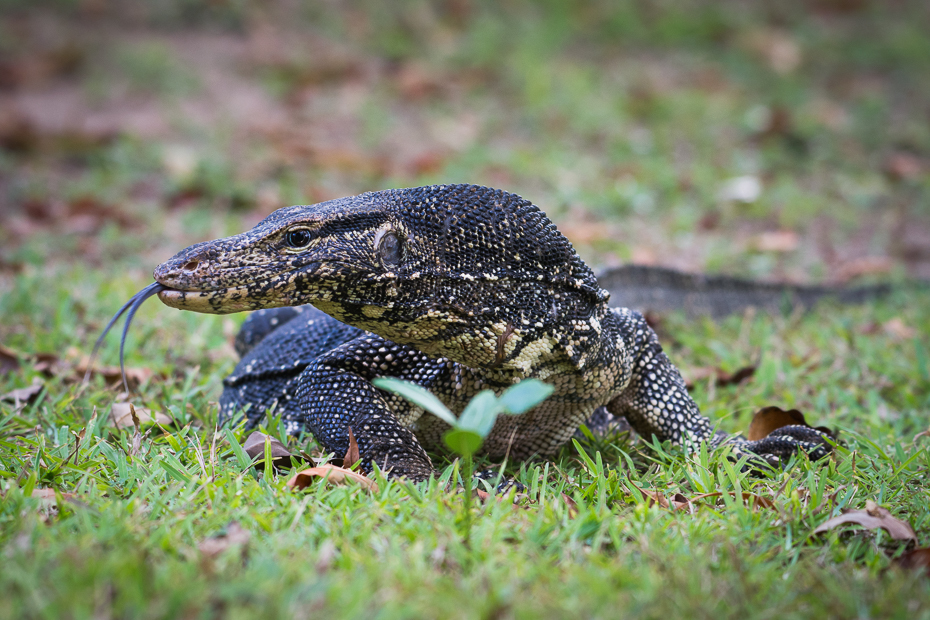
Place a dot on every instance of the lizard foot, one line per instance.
(504, 486)
(780, 445)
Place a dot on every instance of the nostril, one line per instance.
(191, 265)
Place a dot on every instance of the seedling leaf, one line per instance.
(480, 414)
(463, 442)
(417, 395)
(525, 395)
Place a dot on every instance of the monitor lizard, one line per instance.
(457, 288)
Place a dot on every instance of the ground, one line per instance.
(786, 142)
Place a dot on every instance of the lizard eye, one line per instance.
(390, 249)
(297, 239)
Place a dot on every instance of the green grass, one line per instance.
(128, 543)
(625, 117)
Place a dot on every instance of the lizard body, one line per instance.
(457, 288)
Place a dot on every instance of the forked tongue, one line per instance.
(132, 305)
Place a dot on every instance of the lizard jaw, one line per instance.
(222, 301)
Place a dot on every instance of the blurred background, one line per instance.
(786, 140)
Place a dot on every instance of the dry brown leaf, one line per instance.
(699, 373)
(915, 559)
(775, 241)
(234, 536)
(40, 66)
(254, 446)
(121, 414)
(22, 396)
(326, 557)
(9, 360)
(51, 365)
(48, 506)
(751, 498)
(898, 330)
(737, 377)
(719, 376)
(871, 518)
(352, 456)
(778, 48)
(49, 495)
(427, 163)
(769, 419)
(111, 374)
(415, 81)
(679, 501)
(332, 474)
(902, 166)
(925, 433)
(864, 266)
(585, 232)
(571, 505)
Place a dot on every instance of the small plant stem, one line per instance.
(466, 482)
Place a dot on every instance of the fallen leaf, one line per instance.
(427, 163)
(778, 48)
(111, 374)
(25, 395)
(332, 474)
(49, 495)
(839, 7)
(719, 376)
(233, 536)
(897, 329)
(352, 456)
(871, 518)
(904, 166)
(48, 506)
(915, 559)
(9, 360)
(571, 505)
(925, 433)
(254, 446)
(774, 122)
(864, 266)
(326, 557)
(584, 232)
(737, 377)
(501, 496)
(769, 419)
(780, 241)
(121, 414)
(50, 365)
(700, 373)
(87, 214)
(415, 81)
(679, 501)
(751, 498)
(37, 67)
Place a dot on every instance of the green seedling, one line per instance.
(470, 429)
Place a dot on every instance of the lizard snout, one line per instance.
(187, 271)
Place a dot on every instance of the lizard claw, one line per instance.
(504, 486)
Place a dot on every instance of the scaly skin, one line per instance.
(457, 288)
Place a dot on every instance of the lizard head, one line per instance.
(459, 271)
(297, 255)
